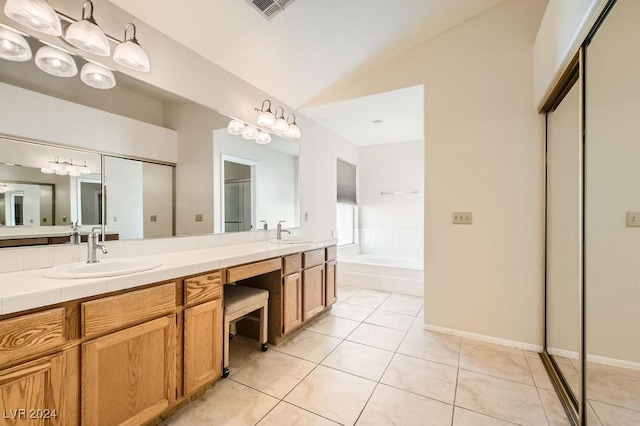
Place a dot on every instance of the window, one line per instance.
(347, 203)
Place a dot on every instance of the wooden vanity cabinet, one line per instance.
(291, 302)
(313, 291)
(331, 289)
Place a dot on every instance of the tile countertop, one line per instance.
(24, 290)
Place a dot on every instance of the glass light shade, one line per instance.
(250, 133)
(131, 55)
(55, 166)
(97, 76)
(87, 36)
(281, 126)
(61, 172)
(235, 127)
(55, 62)
(263, 138)
(13, 46)
(35, 14)
(47, 170)
(267, 119)
(84, 170)
(73, 171)
(293, 132)
(3, 189)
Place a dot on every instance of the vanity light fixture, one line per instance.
(280, 125)
(293, 131)
(235, 127)
(3, 188)
(266, 117)
(130, 54)
(97, 76)
(56, 62)
(65, 168)
(86, 34)
(263, 137)
(13, 46)
(250, 133)
(35, 14)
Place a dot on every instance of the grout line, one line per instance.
(455, 390)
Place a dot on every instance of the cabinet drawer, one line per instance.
(332, 253)
(99, 316)
(312, 258)
(253, 269)
(31, 334)
(291, 264)
(203, 288)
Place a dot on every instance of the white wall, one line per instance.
(123, 179)
(612, 158)
(157, 194)
(392, 224)
(276, 177)
(564, 26)
(484, 152)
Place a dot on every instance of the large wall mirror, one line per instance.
(220, 183)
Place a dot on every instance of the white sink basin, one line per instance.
(292, 240)
(104, 268)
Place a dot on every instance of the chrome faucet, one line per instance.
(279, 230)
(265, 226)
(93, 246)
(75, 233)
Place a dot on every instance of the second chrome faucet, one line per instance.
(279, 230)
(93, 246)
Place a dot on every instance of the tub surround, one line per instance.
(386, 273)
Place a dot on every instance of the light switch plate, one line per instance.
(199, 217)
(461, 218)
(633, 219)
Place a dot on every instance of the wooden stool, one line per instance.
(238, 302)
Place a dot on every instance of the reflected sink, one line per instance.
(291, 240)
(104, 268)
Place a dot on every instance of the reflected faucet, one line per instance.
(93, 246)
(265, 227)
(279, 230)
(75, 233)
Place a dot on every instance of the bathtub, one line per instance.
(386, 273)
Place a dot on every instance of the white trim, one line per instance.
(597, 359)
(484, 338)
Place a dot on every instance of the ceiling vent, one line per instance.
(269, 8)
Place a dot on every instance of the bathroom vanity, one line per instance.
(137, 354)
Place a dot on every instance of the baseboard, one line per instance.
(598, 359)
(484, 338)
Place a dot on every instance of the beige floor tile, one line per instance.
(391, 320)
(556, 415)
(427, 378)
(309, 345)
(611, 415)
(394, 407)
(495, 362)
(289, 415)
(421, 313)
(417, 326)
(274, 374)
(352, 312)
(373, 292)
(376, 336)
(403, 304)
(438, 347)
(242, 351)
(570, 374)
(346, 291)
(503, 399)
(462, 417)
(333, 326)
(614, 385)
(360, 360)
(333, 394)
(539, 373)
(592, 417)
(561, 360)
(227, 404)
(366, 300)
(531, 354)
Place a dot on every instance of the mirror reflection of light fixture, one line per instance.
(97, 76)
(293, 131)
(250, 133)
(130, 54)
(266, 117)
(235, 127)
(263, 138)
(280, 125)
(87, 35)
(65, 168)
(3, 188)
(55, 62)
(35, 14)
(13, 46)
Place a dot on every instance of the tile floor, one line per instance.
(370, 362)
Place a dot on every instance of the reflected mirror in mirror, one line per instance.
(139, 198)
(256, 186)
(43, 191)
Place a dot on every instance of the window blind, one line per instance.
(346, 183)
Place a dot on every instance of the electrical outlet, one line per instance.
(115, 218)
(461, 218)
(64, 219)
(154, 218)
(633, 219)
(199, 217)
(306, 216)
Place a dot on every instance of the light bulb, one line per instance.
(281, 126)
(266, 119)
(235, 127)
(250, 133)
(97, 76)
(263, 138)
(293, 132)
(13, 46)
(55, 62)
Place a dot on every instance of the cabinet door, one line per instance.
(202, 344)
(291, 302)
(331, 294)
(313, 291)
(128, 377)
(41, 392)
